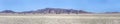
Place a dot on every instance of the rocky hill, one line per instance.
(50, 11)
(56, 11)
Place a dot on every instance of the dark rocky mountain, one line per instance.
(50, 11)
(57, 11)
(7, 11)
(112, 12)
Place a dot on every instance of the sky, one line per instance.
(86, 5)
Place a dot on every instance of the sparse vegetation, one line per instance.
(57, 16)
(61, 19)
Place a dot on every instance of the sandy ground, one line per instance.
(61, 19)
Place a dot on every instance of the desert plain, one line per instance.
(59, 18)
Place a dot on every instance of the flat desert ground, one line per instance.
(60, 19)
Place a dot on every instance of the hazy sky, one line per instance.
(87, 5)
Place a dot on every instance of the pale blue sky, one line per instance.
(87, 5)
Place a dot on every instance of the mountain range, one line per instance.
(50, 11)
(53, 11)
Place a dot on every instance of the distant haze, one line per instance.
(87, 5)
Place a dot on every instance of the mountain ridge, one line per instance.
(50, 11)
